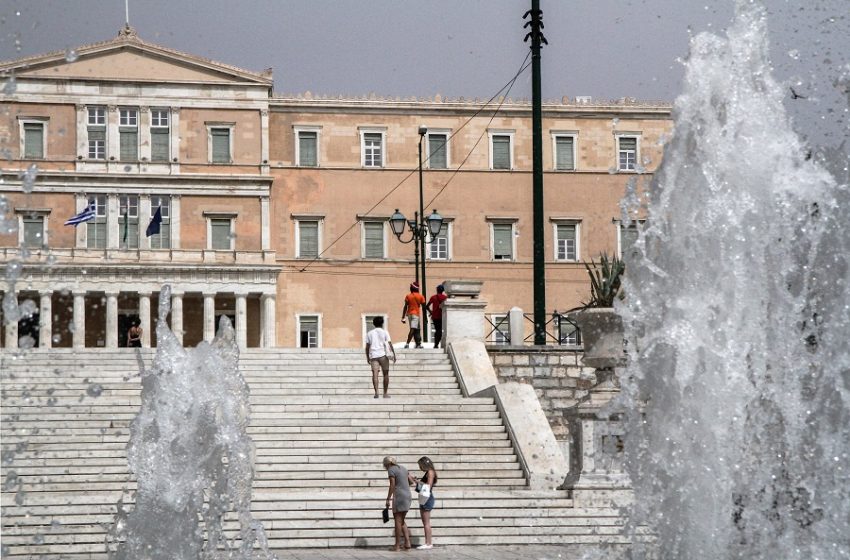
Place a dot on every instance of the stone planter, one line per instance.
(601, 336)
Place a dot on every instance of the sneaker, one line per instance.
(425, 547)
(407, 345)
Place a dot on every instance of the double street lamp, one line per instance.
(421, 230)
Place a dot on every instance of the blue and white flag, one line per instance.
(156, 221)
(89, 213)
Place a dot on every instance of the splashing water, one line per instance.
(191, 454)
(737, 319)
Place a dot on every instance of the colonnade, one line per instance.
(78, 323)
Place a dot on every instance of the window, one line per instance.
(97, 132)
(373, 240)
(627, 147)
(503, 241)
(372, 149)
(34, 236)
(96, 228)
(308, 238)
(501, 329)
(220, 144)
(438, 248)
(161, 240)
(501, 151)
(160, 135)
(566, 242)
(221, 234)
(438, 156)
(307, 148)
(566, 330)
(34, 140)
(308, 331)
(628, 236)
(565, 152)
(128, 134)
(128, 211)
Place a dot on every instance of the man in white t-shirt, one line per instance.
(377, 343)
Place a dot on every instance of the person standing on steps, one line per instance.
(435, 308)
(398, 497)
(412, 311)
(377, 343)
(134, 335)
(430, 478)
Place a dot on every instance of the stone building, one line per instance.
(275, 207)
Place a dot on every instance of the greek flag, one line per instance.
(87, 214)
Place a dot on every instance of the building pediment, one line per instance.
(130, 59)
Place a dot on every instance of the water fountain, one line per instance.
(191, 455)
(738, 320)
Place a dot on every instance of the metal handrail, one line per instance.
(558, 320)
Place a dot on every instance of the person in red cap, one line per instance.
(412, 311)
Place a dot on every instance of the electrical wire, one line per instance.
(525, 64)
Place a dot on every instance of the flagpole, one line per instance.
(127, 12)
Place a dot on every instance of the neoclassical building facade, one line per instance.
(274, 209)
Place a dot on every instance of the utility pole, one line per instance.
(537, 38)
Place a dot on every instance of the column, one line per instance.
(241, 323)
(175, 221)
(209, 316)
(11, 326)
(81, 230)
(82, 133)
(45, 320)
(177, 315)
(264, 141)
(145, 318)
(265, 224)
(144, 220)
(112, 319)
(144, 133)
(269, 336)
(175, 138)
(79, 337)
(113, 139)
(516, 325)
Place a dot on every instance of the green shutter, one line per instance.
(33, 232)
(628, 144)
(307, 142)
(628, 238)
(221, 145)
(564, 153)
(501, 152)
(96, 234)
(97, 134)
(132, 233)
(374, 240)
(308, 234)
(159, 144)
(33, 140)
(129, 144)
(220, 233)
(437, 151)
(502, 242)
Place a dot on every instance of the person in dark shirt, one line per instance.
(435, 308)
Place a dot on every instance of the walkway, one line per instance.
(521, 552)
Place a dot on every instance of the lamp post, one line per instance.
(420, 228)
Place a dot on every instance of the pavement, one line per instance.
(473, 552)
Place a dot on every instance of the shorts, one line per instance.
(429, 505)
(378, 364)
(413, 320)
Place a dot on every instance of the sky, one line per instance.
(607, 49)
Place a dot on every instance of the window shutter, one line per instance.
(501, 152)
(129, 145)
(502, 243)
(308, 239)
(437, 149)
(628, 144)
(307, 155)
(97, 134)
(221, 145)
(374, 240)
(33, 140)
(628, 238)
(33, 231)
(159, 144)
(132, 233)
(564, 153)
(220, 232)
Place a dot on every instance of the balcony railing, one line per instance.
(84, 256)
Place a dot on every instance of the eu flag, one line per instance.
(156, 221)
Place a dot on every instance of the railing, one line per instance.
(560, 330)
(84, 256)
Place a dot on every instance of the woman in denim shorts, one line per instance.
(429, 478)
